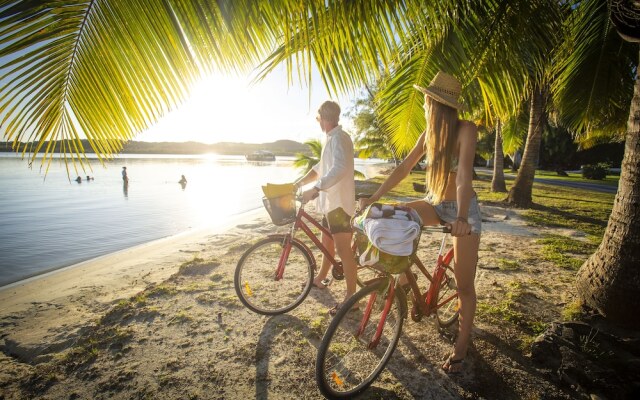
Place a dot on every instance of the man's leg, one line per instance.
(343, 247)
(327, 242)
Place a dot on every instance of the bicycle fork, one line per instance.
(286, 249)
(383, 318)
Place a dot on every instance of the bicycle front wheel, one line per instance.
(257, 284)
(347, 362)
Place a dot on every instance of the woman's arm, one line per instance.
(399, 173)
(467, 138)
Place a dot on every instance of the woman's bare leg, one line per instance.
(425, 211)
(466, 257)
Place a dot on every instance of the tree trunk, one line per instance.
(497, 183)
(609, 281)
(520, 193)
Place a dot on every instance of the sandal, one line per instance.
(323, 284)
(450, 362)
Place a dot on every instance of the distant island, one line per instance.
(279, 147)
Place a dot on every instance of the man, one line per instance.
(335, 189)
(125, 178)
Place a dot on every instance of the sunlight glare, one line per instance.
(227, 108)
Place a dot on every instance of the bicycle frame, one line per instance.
(300, 224)
(426, 307)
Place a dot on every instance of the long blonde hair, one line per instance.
(440, 146)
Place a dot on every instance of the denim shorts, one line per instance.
(448, 212)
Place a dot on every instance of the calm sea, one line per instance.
(49, 222)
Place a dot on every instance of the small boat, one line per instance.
(261, 155)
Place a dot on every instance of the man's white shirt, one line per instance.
(335, 169)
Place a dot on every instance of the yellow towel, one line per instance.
(272, 190)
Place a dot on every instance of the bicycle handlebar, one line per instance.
(443, 229)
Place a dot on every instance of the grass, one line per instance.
(555, 206)
(610, 180)
(161, 290)
(562, 251)
(508, 265)
(507, 310)
(317, 325)
(181, 318)
(572, 311)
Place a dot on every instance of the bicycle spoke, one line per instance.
(447, 313)
(256, 280)
(346, 364)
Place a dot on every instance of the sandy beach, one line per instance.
(162, 320)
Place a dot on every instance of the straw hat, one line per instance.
(445, 89)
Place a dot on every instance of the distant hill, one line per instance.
(279, 148)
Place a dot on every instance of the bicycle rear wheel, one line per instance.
(255, 277)
(448, 313)
(345, 365)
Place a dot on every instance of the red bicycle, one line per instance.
(275, 275)
(364, 333)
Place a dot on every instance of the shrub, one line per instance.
(595, 171)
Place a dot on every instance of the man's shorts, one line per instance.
(337, 221)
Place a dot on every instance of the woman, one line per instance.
(449, 145)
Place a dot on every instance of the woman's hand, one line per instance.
(460, 227)
(364, 202)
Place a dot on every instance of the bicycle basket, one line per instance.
(370, 255)
(282, 210)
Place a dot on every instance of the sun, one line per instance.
(230, 108)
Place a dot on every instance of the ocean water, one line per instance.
(48, 222)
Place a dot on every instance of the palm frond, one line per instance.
(305, 162)
(492, 47)
(514, 132)
(107, 70)
(593, 87)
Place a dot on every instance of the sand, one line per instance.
(162, 320)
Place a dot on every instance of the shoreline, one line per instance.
(72, 264)
(116, 272)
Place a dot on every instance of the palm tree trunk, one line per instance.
(609, 281)
(497, 183)
(520, 193)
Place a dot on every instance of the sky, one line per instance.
(228, 108)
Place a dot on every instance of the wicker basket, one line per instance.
(282, 210)
(386, 262)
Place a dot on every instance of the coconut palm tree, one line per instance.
(520, 193)
(609, 281)
(370, 139)
(306, 162)
(497, 182)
